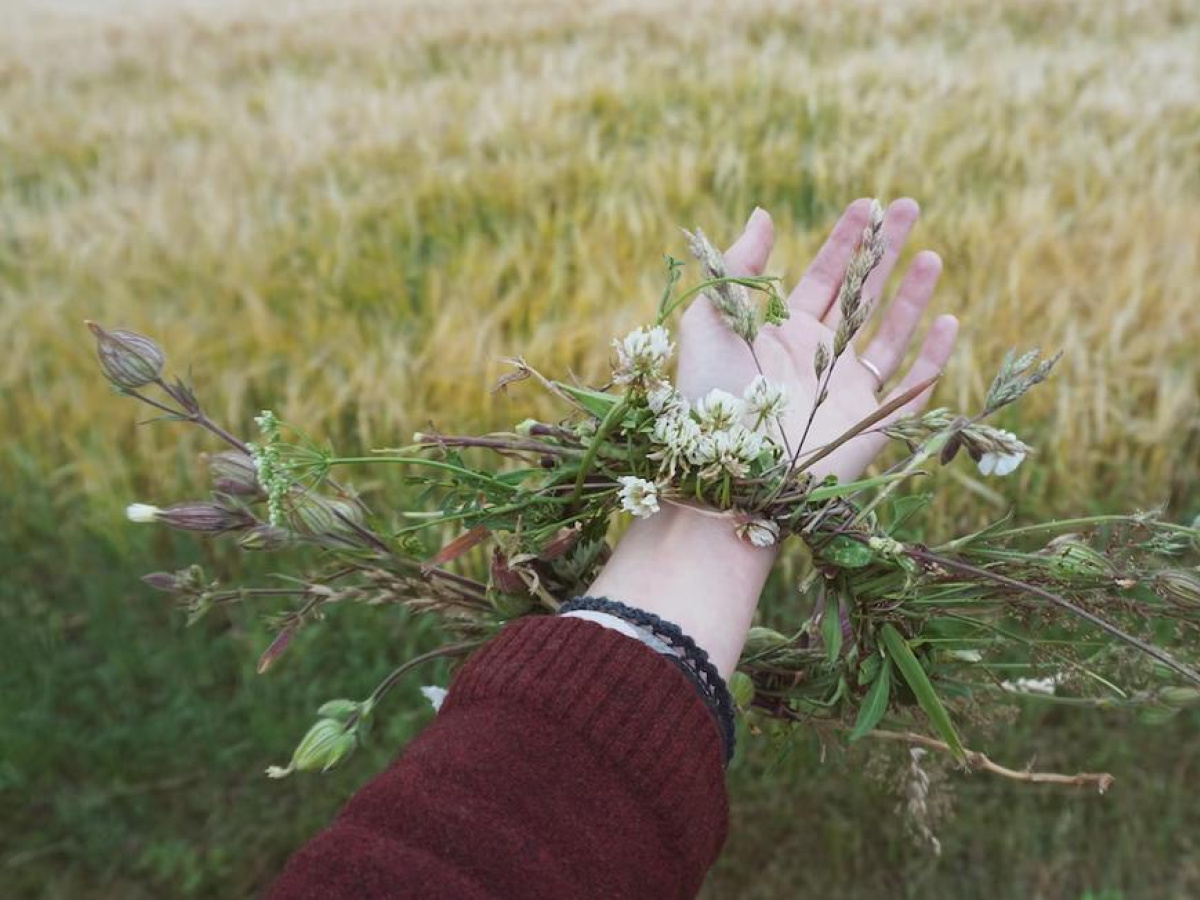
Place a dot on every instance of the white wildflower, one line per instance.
(642, 355)
(665, 400)
(142, 512)
(1032, 685)
(435, 695)
(765, 399)
(676, 438)
(719, 410)
(1003, 462)
(759, 532)
(729, 451)
(639, 496)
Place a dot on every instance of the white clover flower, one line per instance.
(665, 400)
(1032, 685)
(760, 532)
(641, 355)
(1001, 463)
(719, 410)
(676, 438)
(435, 695)
(639, 496)
(729, 451)
(765, 399)
(142, 512)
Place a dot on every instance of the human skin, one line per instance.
(688, 566)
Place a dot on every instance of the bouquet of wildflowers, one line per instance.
(900, 640)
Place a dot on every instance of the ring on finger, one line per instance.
(874, 370)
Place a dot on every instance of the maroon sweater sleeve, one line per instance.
(568, 760)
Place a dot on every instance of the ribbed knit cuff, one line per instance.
(640, 712)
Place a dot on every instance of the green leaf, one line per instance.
(831, 630)
(875, 704)
(598, 403)
(869, 668)
(741, 688)
(927, 697)
(904, 508)
(848, 553)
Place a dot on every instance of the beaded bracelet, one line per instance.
(692, 660)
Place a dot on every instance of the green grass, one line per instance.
(351, 214)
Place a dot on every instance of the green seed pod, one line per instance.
(1181, 585)
(509, 606)
(741, 687)
(234, 473)
(1180, 696)
(326, 744)
(265, 537)
(1070, 557)
(313, 515)
(128, 359)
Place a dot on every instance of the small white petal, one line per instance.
(435, 695)
(638, 496)
(142, 512)
(987, 463)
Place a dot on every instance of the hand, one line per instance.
(711, 356)
(691, 569)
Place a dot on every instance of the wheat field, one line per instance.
(352, 211)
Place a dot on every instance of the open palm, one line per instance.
(711, 356)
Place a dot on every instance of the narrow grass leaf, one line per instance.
(927, 697)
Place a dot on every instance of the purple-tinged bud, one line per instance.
(234, 473)
(128, 359)
(162, 581)
(265, 537)
(204, 517)
(1180, 585)
(505, 579)
(275, 649)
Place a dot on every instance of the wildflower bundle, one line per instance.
(899, 639)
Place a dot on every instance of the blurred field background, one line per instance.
(350, 211)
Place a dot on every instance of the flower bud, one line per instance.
(1180, 585)
(561, 543)
(1180, 696)
(210, 518)
(275, 649)
(234, 473)
(128, 359)
(339, 710)
(505, 579)
(265, 537)
(1071, 556)
(325, 745)
(526, 427)
(162, 581)
(313, 515)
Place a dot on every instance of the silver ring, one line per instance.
(873, 369)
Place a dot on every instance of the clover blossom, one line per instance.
(759, 532)
(730, 451)
(677, 438)
(664, 399)
(718, 410)
(641, 356)
(765, 399)
(639, 496)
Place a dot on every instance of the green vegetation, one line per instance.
(352, 215)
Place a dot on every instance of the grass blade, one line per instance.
(911, 669)
(875, 705)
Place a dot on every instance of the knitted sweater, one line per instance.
(568, 760)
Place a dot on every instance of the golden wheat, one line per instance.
(352, 213)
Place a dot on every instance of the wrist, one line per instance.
(690, 567)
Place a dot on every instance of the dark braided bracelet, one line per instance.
(692, 660)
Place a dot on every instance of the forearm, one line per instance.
(567, 760)
(692, 569)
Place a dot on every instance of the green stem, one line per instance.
(607, 424)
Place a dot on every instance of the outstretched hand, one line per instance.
(711, 356)
(689, 567)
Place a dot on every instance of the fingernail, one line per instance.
(758, 211)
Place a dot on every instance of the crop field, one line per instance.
(352, 212)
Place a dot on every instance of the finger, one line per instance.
(820, 282)
(935, 353)
(900, 319)
(898, 221)
(750, 252)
